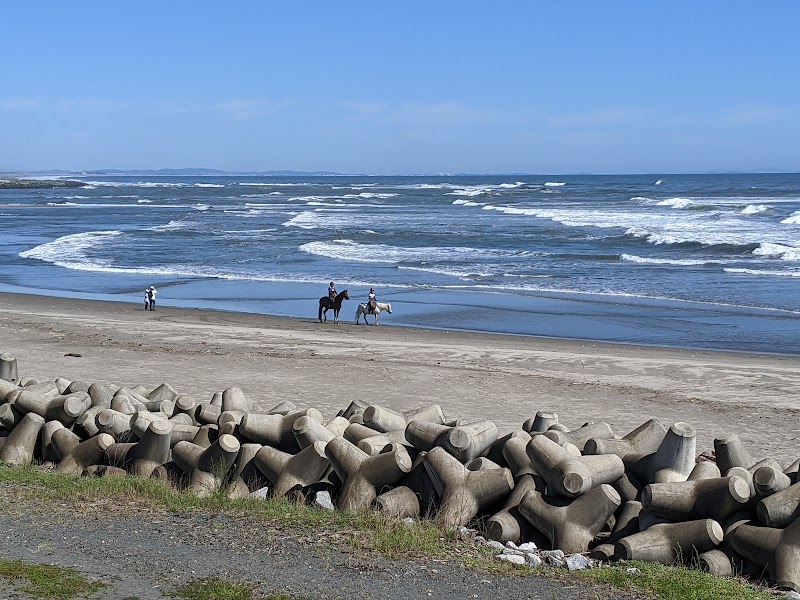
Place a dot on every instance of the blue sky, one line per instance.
(411, 87)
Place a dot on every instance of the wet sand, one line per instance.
(471, 375)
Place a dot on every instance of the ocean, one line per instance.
(689, 261)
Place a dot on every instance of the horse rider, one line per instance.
(332, 292)
(371, 301)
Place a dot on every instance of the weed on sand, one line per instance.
(213, 588)
(47, 581)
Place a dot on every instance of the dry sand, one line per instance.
(471, 375)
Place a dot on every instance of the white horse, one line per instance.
(379, 306)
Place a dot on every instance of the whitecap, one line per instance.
(201, 207)
(665, 261)
(554, 184)
(781, 251)
(754, 209)
(209, 185)
(69, 251)
(171, 226)
(766, 272)
(676, 202)
(792, 219)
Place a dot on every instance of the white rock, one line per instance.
(578, 562)
(552, 554)
(513, 551)
(528, 547)
(512, 558)
(260, 494)
(633, 571)
(408, 522)
(323, 500)
(496, 545)
(512, 545)
(533, 560)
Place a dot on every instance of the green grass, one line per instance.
(212, 588)
(676, 583)
(47, 581)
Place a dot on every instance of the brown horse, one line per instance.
(325, 303)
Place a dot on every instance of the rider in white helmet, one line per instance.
(371, 301)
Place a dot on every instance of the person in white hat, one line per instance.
(152, 294)
(371, 301)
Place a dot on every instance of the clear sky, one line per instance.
(401, 87)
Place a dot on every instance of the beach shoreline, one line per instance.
(504, 378)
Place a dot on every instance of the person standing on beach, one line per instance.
(152, 293)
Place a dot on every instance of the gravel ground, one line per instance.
(147, 553)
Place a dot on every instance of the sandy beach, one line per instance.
(471, 375)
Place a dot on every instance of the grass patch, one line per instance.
(676, 583)
(212, 588)
(47, 581)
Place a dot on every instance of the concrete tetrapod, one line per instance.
(207, 468)
(700, 499)
(645, 438)
(768, 480)
(307, 430)
(8, 368)
(151, 451)
(385, 420)
(276, 430)
(780, 509)
(76, 455)
(399, 502)
(365, 476)
(778, 550)
(567, 476)
(571, 526)
(465, 442)
(716, 562)
(729, 451)
(541, 422)
(245, 477)
(65, 409)
(464, 493)
(669, 543)
(673, 461)
(20, 445)
(704, 470)
(508, 525)
(578, 437)
(292, 473)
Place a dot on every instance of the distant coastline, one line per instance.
(35, 184)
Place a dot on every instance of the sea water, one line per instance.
(695, 261)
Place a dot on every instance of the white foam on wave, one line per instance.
(346, 249)
(641, 199)
(781, 251)
(792, 219)
(659, 182)
(660, 227)
(467, 203)
(69, 251)
(171, 226)
(465, 274)
(676, 202)
(209, 185)
(144, 201)
(754, 209)
(63, 204)
(554, 183)
(764, 272)
(665, 261)
(201, 207)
